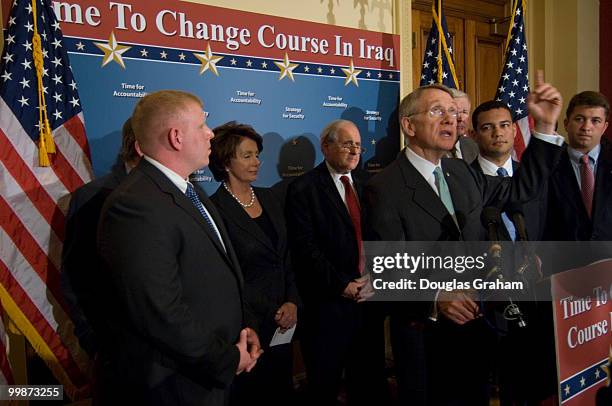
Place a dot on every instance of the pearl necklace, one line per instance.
(245, 205)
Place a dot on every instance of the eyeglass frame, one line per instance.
(349, 146)
(442, 112)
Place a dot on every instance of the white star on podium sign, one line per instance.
(112, 51)
(286, 68)
(351, 74)
(209, 61)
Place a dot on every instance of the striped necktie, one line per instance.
(502, 172)
(587, 183)
(193, 196)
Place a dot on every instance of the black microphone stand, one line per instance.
(491, 219)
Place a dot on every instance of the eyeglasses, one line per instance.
(439, 112)
(350, 146)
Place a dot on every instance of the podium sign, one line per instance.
(583, 321)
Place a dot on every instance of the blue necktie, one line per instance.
(444, 192)
(509, 225)
(193, 196)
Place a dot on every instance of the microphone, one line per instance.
(491, 218)
(515, 211)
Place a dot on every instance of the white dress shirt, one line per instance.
(339, 185)
(489, 168)
(575, 161)
(424, 167)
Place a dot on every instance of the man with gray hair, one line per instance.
(465, 148)
(422, 196)
(323, 212)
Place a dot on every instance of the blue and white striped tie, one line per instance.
(507, 222)
(193, 196)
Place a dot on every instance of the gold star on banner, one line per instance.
(209, 61)
(607, 367)
(112, 51)
(286, 68)
(351, 74)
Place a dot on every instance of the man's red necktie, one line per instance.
(353, 207)
(587, 181)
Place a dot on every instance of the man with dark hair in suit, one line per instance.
(81, 274)
(175, 305)
(494, 132)
(83, 280)
(323, 214)
(519, 365)
(422, 196)
(578, 205)
(583, 178)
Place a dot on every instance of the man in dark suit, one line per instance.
(519, 365)
(175, 307)
(324, 230)
(494, 132)
(583, 178)
(579, 202)
(81, 272)
(465, 148)
(422, 196)
(84, 283)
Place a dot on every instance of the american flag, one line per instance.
(513, 87)
(34, 198)
(438, 65)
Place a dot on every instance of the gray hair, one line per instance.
(409, 103)
(458, 94)
(330, 132)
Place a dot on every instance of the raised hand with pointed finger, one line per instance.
(544, 103)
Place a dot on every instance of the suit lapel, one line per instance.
(567, 183)
(181, 200)
(603, 187)
(423, 195)
(237, 215)
(228, 253)
(331, 191)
